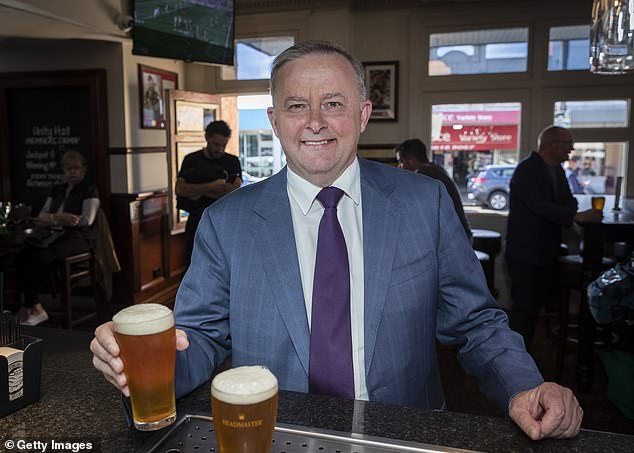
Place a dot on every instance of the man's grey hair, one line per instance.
(317, 48)
(548, 134)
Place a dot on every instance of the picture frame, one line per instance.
(152, 85)
(382, 80)
(383, 153)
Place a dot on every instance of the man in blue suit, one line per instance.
(248, 293)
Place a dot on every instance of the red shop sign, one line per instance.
(476, 138)
(484, 118)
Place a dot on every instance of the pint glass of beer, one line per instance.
(598, 203)
(244, 408)
(147, 340)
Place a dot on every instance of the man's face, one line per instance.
(216, 144)
(561, 146)
(318, 116)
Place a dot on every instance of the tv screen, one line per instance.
(190, 30)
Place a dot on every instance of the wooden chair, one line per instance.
(75, 269)
(85, 267)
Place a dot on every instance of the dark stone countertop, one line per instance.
(78, 405)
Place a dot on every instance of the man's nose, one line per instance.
(316, 120)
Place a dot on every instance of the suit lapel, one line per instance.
(380, 222)
(276, 249)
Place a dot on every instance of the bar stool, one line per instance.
(551, 311)
(570, 276)
(489, 242)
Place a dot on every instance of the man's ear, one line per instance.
(366, 111)
(270, 111)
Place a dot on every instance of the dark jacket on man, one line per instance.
(541, 204)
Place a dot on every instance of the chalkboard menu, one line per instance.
(44, 123)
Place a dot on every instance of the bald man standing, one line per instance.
(541, 204)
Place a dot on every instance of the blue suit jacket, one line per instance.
(242, 295)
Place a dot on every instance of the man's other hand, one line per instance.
(548, 410)
(591, 215)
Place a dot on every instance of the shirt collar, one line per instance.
(304, 192)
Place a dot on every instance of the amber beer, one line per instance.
(598, 203)
(147, 340)
(244, 408)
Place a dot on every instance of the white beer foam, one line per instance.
(244, 385)
(143, 319)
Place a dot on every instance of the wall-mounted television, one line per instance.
(189, 30)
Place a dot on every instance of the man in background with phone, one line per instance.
(204, 177)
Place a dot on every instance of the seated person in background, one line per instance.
(412, 155)
(204, 177)
(71, 209)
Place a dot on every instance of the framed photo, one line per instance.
(152, 85)
(383, 153)
(382, 79)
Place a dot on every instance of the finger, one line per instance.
(115, 363)
(530, 426)
(104, 335)
(182, 342)
(575, 424)
(560, 410)
(119, 380)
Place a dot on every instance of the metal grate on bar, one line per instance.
(195, 434)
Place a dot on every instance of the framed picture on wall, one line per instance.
(379, 152)
(152, 85)
(382, 79)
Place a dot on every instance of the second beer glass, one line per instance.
(147, 340)
(598, 203)
(244, 408)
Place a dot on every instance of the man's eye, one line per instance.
(333, 105)
(297, 107)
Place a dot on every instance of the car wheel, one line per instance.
(498, 200)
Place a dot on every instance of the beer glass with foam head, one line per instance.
(147, 340)
(244, 408)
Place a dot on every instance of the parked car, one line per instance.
(491, 186)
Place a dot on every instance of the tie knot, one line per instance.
(330, 196)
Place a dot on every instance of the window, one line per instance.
(260, 151)
(592, 114)
(478, 52)
(595, 166)
(254, 57)
(466, 138)
(569, 48)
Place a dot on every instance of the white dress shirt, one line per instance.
(306, 212)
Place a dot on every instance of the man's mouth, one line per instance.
(318, 142)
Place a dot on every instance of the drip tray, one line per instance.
(195, 434)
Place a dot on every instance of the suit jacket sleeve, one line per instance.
(202, 311)
(470, 320)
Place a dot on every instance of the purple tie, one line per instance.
(330, 338)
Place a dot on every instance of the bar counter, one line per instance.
(78, 405)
